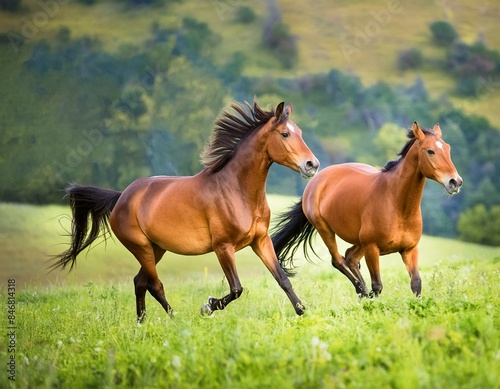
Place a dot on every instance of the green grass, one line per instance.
(86, 336)
(80, 330)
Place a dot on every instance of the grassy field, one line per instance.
(80, 331)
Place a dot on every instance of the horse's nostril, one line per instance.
(453, 183)
(312, 165)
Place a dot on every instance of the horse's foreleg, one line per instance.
(410, 259)
(372, 255)
(264, 249)
(225, 254)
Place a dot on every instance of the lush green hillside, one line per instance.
(325, 35)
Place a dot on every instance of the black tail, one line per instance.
(292, 229)
(87, 204)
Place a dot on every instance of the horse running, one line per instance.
(378, 212)
(222, 209)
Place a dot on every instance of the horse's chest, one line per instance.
(243, 228)
(400, 238)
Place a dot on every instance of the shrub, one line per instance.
(277, 37)
(10, 5)
(245, 15)
(443, 33)
(410, 59)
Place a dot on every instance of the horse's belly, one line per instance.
(179, 232)
(184, 245)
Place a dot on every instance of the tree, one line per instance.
(480, 225)
(185, 106)
(388, 142)
(443, 33)
(245, 15)
(277, 37)
(10, 5)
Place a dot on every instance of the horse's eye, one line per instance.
(430, 152)
(285, 134)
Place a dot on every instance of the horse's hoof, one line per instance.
(300, 309)
(206, 309)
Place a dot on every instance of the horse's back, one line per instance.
(355, 178)
(164, 210)
(338, 196)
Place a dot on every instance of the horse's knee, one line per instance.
(338, 262)
(140, 285)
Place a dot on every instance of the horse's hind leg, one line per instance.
(225, 254)
(141, 286)
(147, 278)
(353, 256)
(338, 261)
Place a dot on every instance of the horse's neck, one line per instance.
(249, 167)
(407, 184)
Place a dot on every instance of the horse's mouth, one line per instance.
(308, 173)
(452, 190)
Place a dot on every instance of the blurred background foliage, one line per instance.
(102, 92)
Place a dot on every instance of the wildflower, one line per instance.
(176, 361)
(320, 349)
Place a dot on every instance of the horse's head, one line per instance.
(435, 160)
(286, 146)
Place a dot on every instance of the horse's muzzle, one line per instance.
(453, 185)
(309, 168)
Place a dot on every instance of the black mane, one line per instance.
(230, 130)
(411, 136)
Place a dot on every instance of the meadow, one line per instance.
(80, 331)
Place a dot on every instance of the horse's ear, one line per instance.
(437, 130)
(279, 110)
(417, 131)
(288, 110)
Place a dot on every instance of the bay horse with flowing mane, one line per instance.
(222, 209)
(377, 211)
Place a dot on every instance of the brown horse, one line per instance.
(222, 209)
(378, 212)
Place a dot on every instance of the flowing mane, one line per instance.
(411, 136)
(230, 130)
